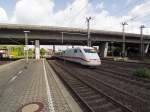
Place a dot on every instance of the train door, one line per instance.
(75, 55)
(80, 55)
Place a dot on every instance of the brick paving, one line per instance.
(60, 104)
(29, 87)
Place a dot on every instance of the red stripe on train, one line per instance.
(75, 58)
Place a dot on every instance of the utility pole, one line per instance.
(26, 43)
(88, 31)
(123, 39)
(142, 45)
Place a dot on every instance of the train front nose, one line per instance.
(94, 62)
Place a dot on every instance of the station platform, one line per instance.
(33, 87)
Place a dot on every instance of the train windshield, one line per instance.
(89, 51)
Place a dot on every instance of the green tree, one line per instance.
(30, 51)
(17, 51)
(42, 52)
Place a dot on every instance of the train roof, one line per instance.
(82, 47)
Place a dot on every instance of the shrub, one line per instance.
(142, 72)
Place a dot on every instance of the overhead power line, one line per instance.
(78, 13)
(127, 7)
(14, 41)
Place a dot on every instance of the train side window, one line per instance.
(80, 51)
(75, 51)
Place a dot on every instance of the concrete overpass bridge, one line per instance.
(48, 35)
(53, 35)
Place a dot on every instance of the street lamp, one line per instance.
(124, 38)
(26, 44)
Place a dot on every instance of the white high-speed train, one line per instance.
(83, 55)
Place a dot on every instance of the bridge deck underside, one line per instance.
(55, 37)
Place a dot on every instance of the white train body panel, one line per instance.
(85, 56)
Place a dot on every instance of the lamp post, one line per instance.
(26, 43)
(123, 39)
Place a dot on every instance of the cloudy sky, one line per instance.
(106, 14)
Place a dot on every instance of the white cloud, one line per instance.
(33, 11)
(141, 10)
(128, 2)
(74, 15)
(3, 15)
(141, 13)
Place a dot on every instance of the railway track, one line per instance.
(123, 72)
(128, 65)
(115, 73)
(125, 88)
(93, 99)
(108, 65)
(136, 106)
(124, 95)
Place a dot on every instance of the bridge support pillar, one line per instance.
(53, 49)
(146, 48)
(37, 49)
(103, 49)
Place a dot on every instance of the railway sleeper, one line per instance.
(104, 107)
(94, 97)
(116, 110)
(100, 101)
(84, 90)
(126, 100)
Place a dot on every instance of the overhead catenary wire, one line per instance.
(147, 22)
(78, 13)
(82, 9)
(135, 18)
(127, 7)
(19, 43)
